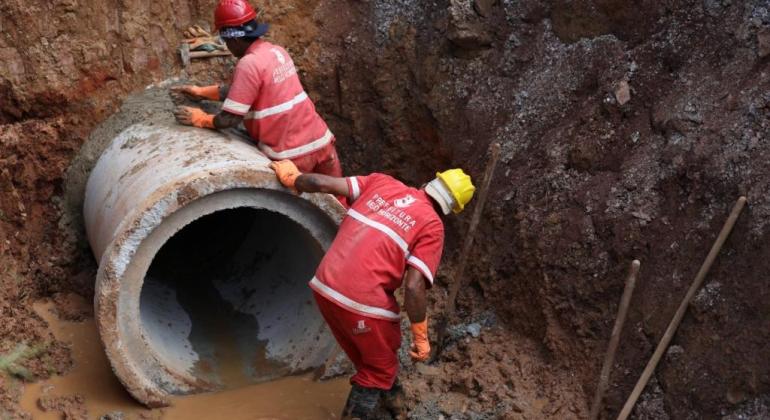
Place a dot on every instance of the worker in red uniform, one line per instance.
(392, 233)
(265, 94)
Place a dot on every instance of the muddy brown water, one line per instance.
(297, 397)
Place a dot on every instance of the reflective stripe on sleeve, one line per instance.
(420, 265)
(355, 188)
(336, 296)
(382, 228)
(277, 109)
(235, 107)
(297, 151)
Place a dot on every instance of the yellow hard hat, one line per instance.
(459, 185)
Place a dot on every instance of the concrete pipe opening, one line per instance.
(204, 261)
(228, 290)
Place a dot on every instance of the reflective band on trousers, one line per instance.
(297, 151)
(350, 303)
(264, 113)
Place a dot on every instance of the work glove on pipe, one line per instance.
(420, 350)
(196, 93)
(287, 173)
(194, 116)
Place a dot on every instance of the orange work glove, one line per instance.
(197, 93)
(194, 116)
(420, 350)
(287, 172)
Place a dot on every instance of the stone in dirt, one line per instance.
(623, 93)
(465, 29)
(474, 329)
(484, 7)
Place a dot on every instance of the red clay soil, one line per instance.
(592, 176)
(64, 67)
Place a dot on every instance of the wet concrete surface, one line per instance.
(296, 397)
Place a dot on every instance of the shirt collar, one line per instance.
(254, 45)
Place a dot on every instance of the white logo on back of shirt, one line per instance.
(281, 59)
(405, 201)
(393, 213)
(284, 69)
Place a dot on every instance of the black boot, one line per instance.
(362, 403)
(394, 401)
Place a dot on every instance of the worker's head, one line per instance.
(237, 25)
(451, 190)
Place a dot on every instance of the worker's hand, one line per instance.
(287, 172)
(193, 116)
(195, 93)
(420, 350)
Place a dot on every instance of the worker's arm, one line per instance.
(416, 306)
(414, 295)
(291, 177)
(224, 90)
(227, 120)
(199, 118)
(322, 183)
(198, 93)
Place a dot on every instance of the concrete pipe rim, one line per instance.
(117, 261)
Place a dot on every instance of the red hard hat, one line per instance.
(233, 13)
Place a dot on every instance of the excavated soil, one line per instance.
(628, 131)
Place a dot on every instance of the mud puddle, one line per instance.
(298, 397)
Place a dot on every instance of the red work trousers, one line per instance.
(322, 161)
(370, 343)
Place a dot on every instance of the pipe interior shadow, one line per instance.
(229, 293)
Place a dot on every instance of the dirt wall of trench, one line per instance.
(589, 179)
(65, 66)
(628, 131)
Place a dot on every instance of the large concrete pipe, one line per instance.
(203, 263)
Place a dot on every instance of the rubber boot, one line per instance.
(362, 403)
(394, 401)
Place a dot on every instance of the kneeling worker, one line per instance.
(392, 233)
(265, 94)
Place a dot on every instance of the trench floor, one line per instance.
(298, 397)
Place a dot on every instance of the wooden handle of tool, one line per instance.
(466, 250)
(203, 54)
(625, 302)
(669, 334)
